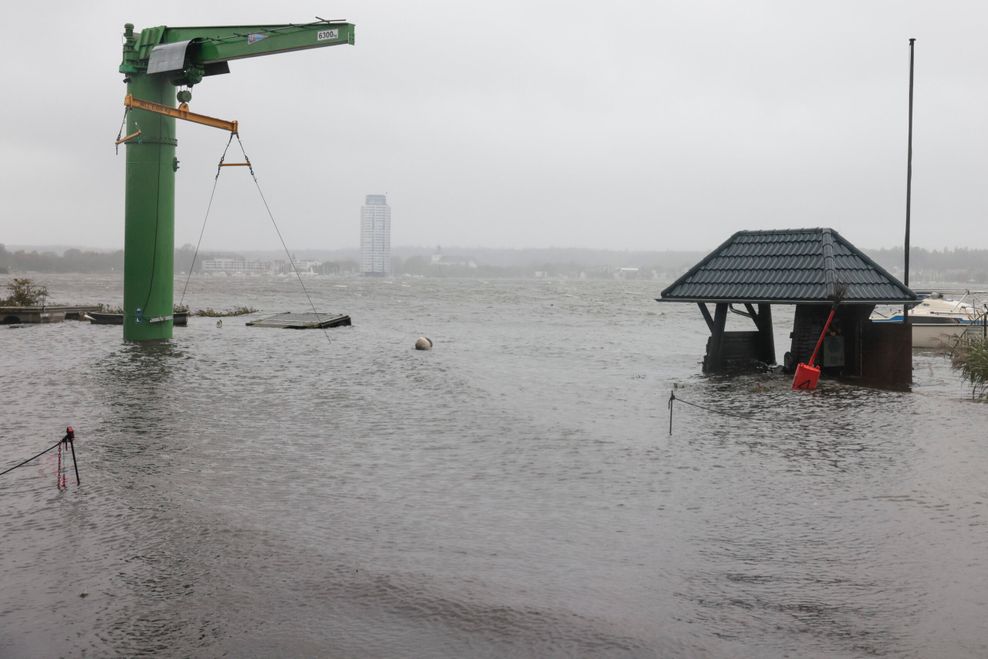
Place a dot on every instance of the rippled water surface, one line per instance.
(513, 492)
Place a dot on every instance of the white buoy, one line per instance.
(423, 343)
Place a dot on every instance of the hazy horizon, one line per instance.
(664, 126)
(59, 249)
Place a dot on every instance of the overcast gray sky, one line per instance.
(623, 125)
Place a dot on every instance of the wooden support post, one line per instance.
(766, 338)
(713, 361)
(706, 315)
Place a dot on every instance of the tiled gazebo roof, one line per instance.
(788, 266)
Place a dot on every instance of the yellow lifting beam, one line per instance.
(181, 112)
(127, 138)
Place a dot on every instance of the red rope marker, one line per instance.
(68, 440)
(59, 474)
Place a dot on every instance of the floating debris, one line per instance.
(43, 314)
(209, 312)
(289, 320)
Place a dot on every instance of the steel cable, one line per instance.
(291, 260)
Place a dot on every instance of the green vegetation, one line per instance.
(951, 265)
(72, 260)
(972, 361)
(25, 293)
(209, 312)
(75, 260)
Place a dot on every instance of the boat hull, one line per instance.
(937, 335)
(937, 322)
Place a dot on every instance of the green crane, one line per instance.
(155, 62)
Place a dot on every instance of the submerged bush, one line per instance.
(972, 361)
(25, 293)
(209, 312)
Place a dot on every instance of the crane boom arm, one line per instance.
(205, 47)
(225, 44)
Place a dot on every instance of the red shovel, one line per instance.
(807, 375)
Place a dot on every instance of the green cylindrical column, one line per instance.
(149, 214)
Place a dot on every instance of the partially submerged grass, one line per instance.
(972, 361)
(25, 293)
(209, 312)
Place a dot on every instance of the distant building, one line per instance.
(626, 273)
(375, 236)
(440, 260)
(236, 265)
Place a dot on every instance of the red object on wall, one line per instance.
(807, 375)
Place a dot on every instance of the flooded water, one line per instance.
(513, 492)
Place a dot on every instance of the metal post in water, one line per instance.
(672, 398)
(909, 170)
(70, 435)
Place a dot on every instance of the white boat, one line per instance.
(937, 322)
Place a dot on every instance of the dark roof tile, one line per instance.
(787, 266)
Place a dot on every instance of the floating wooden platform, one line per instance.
(289, 320)
(45, 314)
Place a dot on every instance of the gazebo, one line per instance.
(812, 269)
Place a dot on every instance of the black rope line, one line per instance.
(50, 448)
(69, 440)
(280, 237)
(672, 398)
(216, 180)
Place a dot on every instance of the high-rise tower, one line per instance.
(375, 236)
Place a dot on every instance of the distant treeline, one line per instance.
(73, 260)
(953, 265)
(76, 260)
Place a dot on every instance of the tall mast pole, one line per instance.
(909, 167)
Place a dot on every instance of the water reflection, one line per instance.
(512, 492)
(782, 543)
(136, 384)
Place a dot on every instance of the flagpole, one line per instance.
(909, 168)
